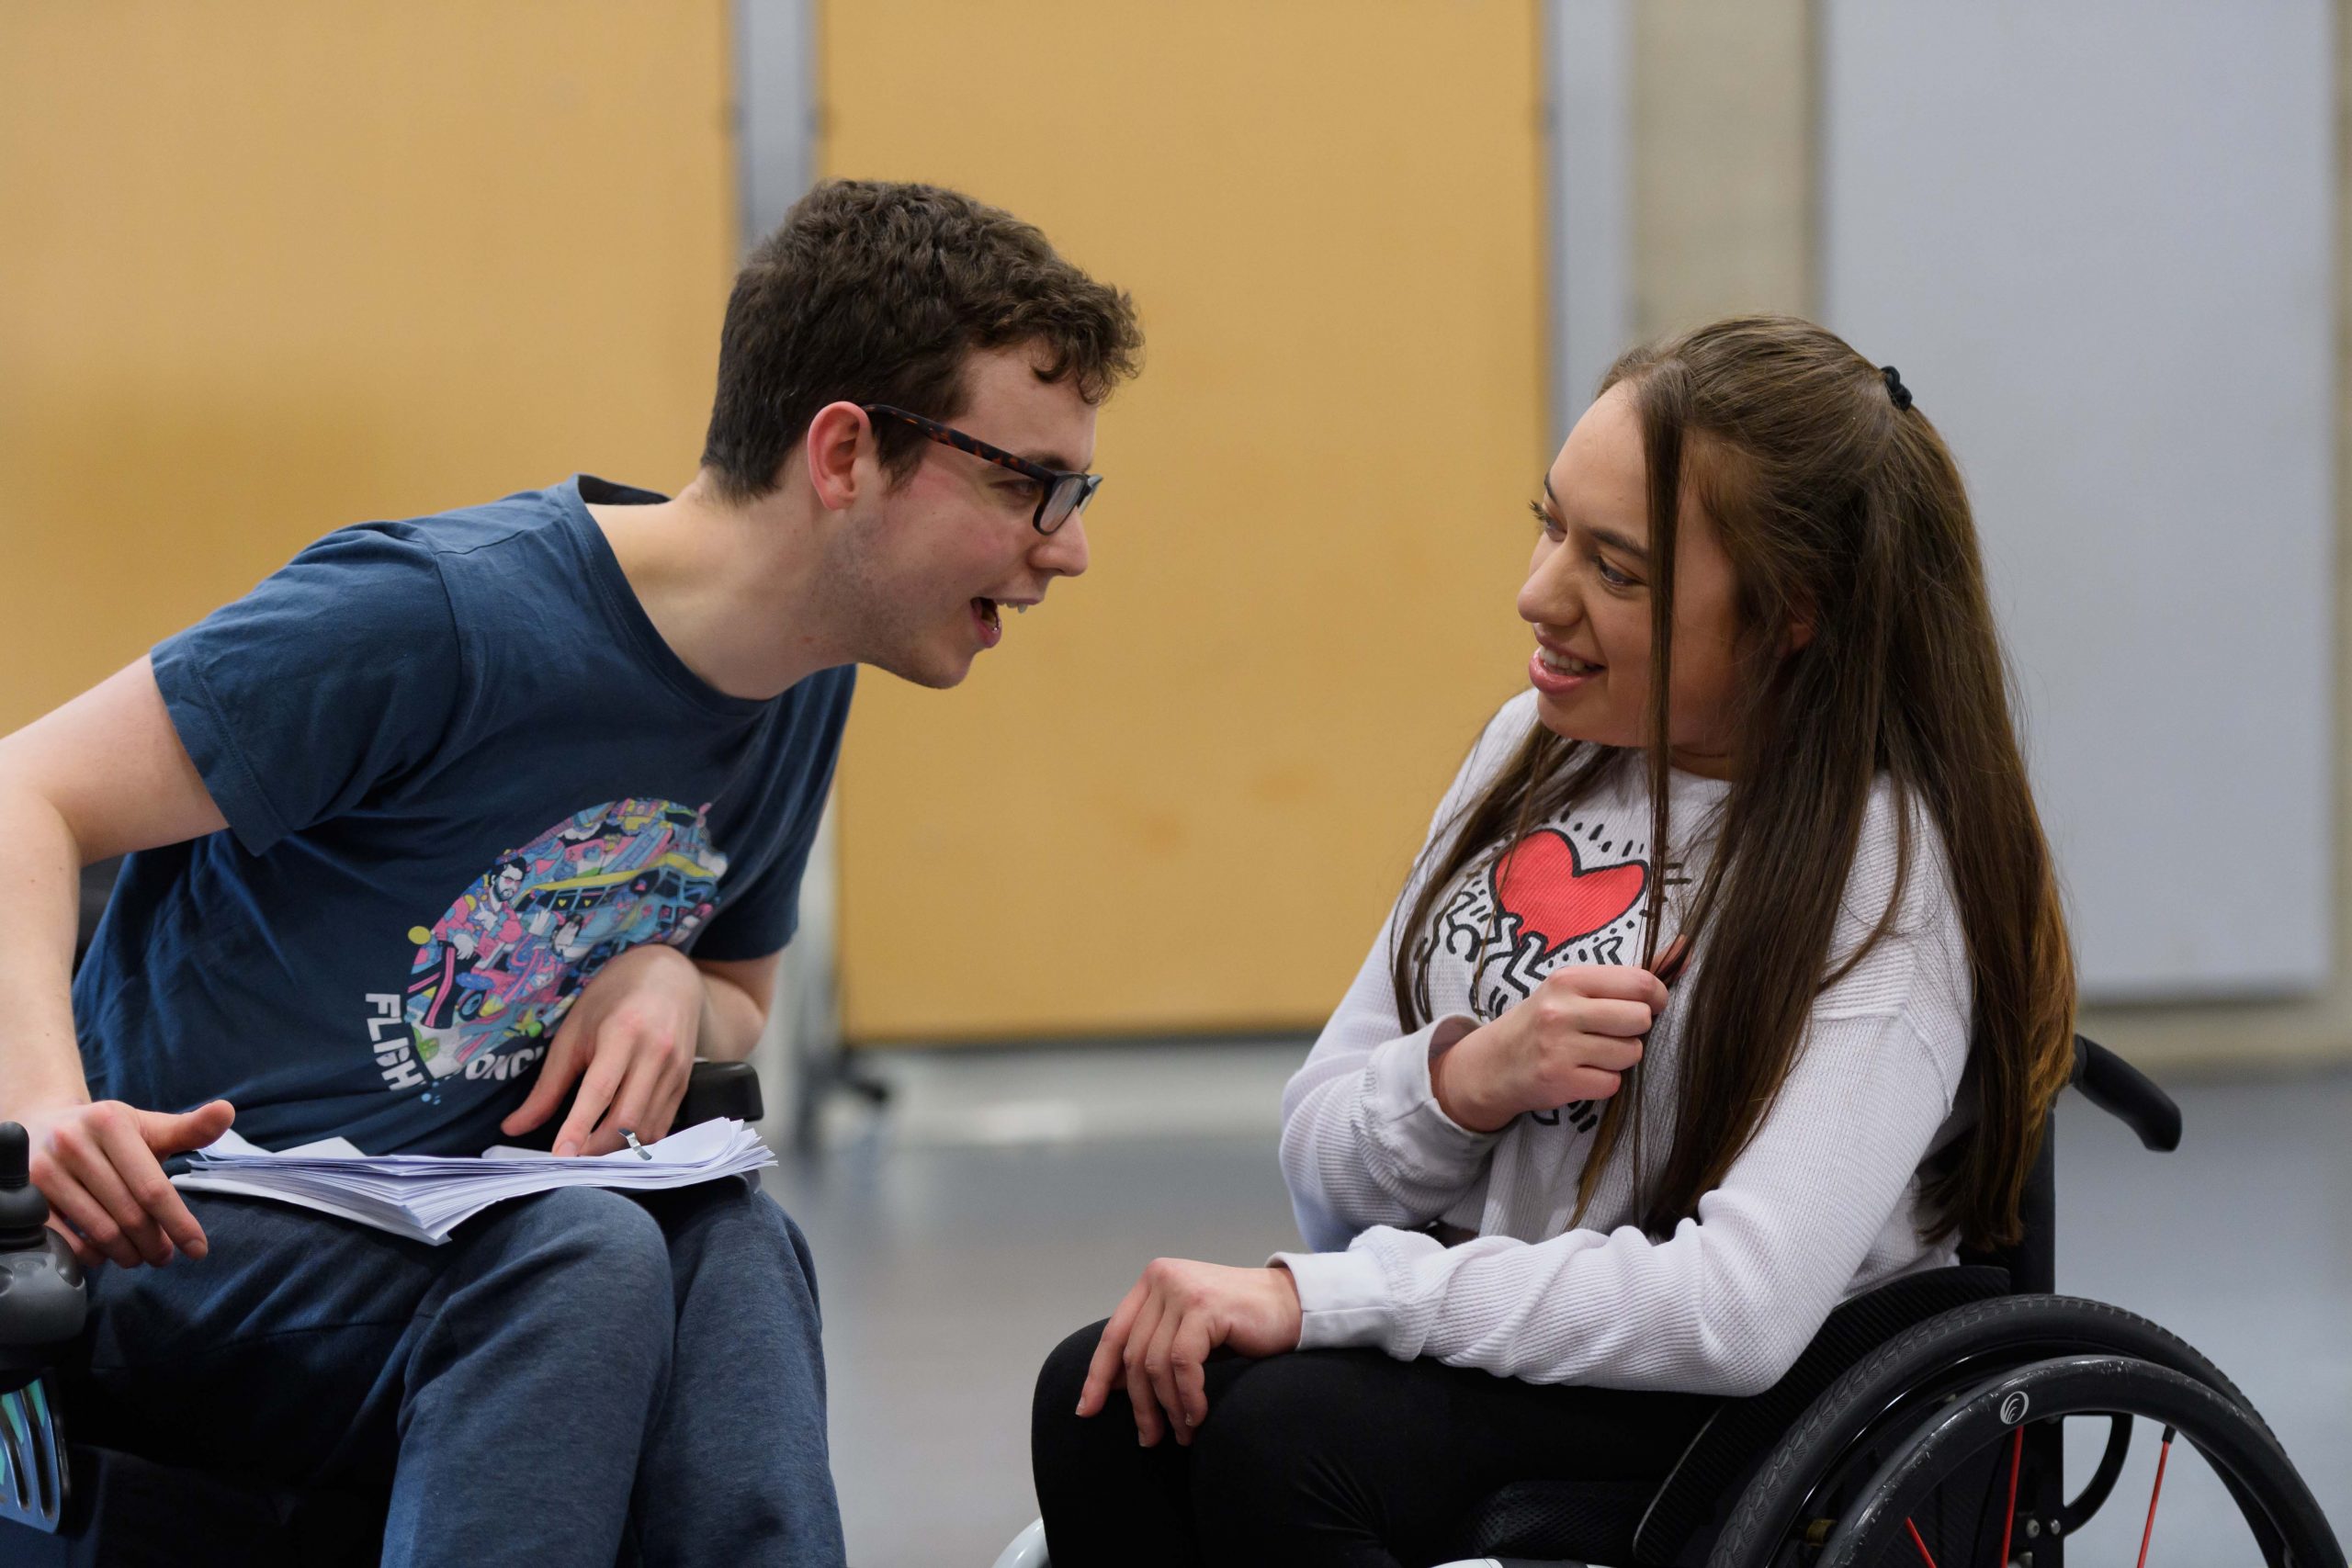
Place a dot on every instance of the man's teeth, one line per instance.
(1561, 664)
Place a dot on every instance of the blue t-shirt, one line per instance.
(461, 770)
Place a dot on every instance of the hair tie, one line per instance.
(1895, 389)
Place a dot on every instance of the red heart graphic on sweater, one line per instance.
(1542, 882)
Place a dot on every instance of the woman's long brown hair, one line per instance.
(1846, 513)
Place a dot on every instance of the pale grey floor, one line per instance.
(1010, 1199)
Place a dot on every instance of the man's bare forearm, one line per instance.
(39, 908)
(732, 1020)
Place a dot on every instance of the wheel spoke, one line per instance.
(2009, 1514)
(2155, 1491)
(1917, 1542)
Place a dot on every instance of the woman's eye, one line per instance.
(1610, 574)
(1544, 520)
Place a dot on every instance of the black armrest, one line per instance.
(721, 1088)
(2121, 1089)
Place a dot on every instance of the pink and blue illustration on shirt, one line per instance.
(495, 976)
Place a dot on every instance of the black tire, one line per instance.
(2279, 1509)
(1893, 1388)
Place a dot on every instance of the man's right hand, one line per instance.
(100, 1166)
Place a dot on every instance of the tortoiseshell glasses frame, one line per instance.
(1061, 494)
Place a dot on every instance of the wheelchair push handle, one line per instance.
(2124, 1092)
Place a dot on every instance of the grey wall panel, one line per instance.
(1590, 86)
(776, 80)
(2096, 237)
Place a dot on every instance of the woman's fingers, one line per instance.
(1150, 1425)
(1589, 1083)
(1619, 982)
(1622, 1020)
(1609, 1053)
(1188, 1355)
(1161, 1372)
(1109, 1361)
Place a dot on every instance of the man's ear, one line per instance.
(838, 435)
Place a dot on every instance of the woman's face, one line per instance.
(1588, 596)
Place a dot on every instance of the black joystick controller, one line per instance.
(42, 1302)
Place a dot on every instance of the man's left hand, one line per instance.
(628, 1041)
(1161, 1336)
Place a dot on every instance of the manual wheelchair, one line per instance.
(1923, 1426)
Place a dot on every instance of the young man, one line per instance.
(453, 817)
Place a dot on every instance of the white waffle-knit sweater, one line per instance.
(1822, 1205)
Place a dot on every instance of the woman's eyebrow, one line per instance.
(1609, 536)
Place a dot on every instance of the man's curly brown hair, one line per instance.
(876, 292)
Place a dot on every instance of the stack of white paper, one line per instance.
(427, 1196)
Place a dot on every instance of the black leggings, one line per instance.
(1345, 1458)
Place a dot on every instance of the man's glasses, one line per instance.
(1060, 494)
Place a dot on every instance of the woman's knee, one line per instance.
(1064, 1375)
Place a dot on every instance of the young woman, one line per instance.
(1731, 982)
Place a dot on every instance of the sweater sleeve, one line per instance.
(1723, 1305)
(1727, 1302)
(1364, 1142)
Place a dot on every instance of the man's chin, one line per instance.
(938, 675)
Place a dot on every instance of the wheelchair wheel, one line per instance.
(1992, 1420)
(1945, 1446)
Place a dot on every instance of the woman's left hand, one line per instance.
(1160, 1336)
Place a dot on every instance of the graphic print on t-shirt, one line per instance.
(1571, 892)
(496, 973)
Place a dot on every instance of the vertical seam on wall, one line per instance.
(1817, 178)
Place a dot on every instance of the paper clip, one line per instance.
(635, 1145)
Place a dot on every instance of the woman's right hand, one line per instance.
(100, 1166)
(1572, 1038)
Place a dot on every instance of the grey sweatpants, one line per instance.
(577, 1377)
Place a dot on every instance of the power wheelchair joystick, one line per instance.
(41, 1298)
(42, 1306)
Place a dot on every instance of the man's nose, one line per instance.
(1064, 550)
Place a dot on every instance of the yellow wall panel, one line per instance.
(1180, 796)
(268, 267)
